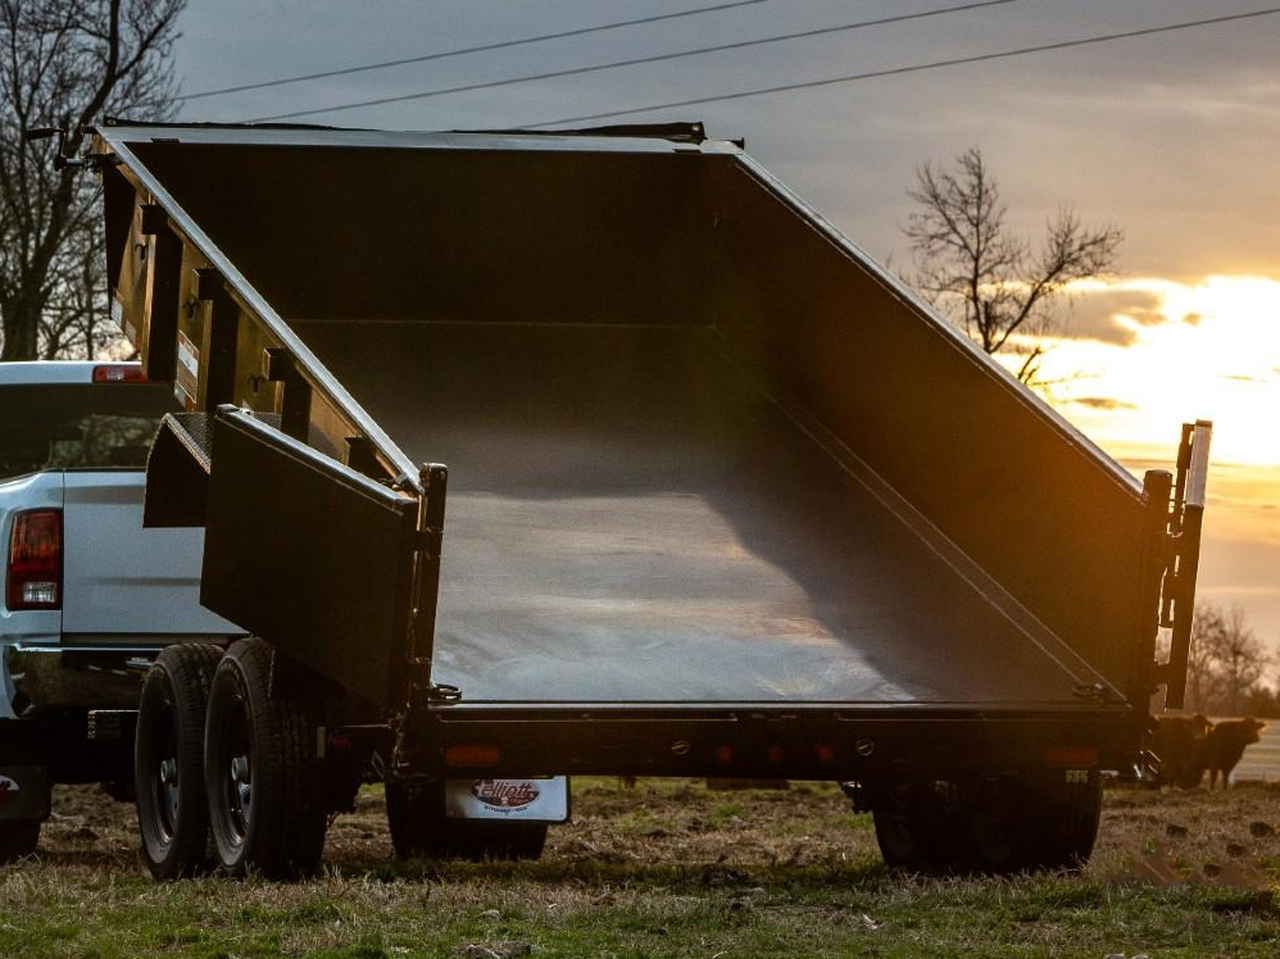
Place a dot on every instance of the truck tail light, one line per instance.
(34, 579)
(119, 373)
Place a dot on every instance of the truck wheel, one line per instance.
(263, 779)
(18, 839)
(914, 825)
(168, 760)
(1032, 822)
(419, 828)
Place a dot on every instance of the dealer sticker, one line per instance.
(533, 799)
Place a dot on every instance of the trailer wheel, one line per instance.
(1032, 822)
(18, 839)
(914, 823)
(264, 781)
(168, 761)
(419, 828)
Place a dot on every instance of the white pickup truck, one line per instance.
(90, 596)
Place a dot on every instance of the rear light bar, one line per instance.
(34, 572)
(119, 373)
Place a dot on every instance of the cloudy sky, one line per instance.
(1172, 136)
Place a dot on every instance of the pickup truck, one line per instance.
(90, 596)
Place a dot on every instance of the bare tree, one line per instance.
(65, 64)
(987, 280)
(1202, 679)
(1228, 664)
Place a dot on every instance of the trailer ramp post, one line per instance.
(1186, 520)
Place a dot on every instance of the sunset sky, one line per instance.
(1171, 136)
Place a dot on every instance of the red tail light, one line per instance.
(119, 373)
(35, 560)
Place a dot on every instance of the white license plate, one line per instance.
(526, 800)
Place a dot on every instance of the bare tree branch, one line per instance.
(65, 64)
(987, 281)
(1229, 665)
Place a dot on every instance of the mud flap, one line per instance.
(24, 794)
(310, 555)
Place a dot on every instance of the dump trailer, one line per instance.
(524, 455)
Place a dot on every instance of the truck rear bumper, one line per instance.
(76, 677)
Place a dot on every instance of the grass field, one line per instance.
(670, 869)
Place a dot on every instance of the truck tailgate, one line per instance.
(633, 518)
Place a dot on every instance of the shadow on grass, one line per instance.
(636, 875)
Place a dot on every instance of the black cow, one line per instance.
(1225, 746)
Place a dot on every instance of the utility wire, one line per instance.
(915, 68)
(635, 61)
(464, 51)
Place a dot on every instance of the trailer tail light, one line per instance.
(119, 373)
(471, 754)
(1072, 757)
(34, 579)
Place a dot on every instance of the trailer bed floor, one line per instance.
(632, 520)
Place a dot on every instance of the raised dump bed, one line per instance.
(632, 518)
(722, 496)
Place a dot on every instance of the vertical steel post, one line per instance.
(1156, 488)
(162, 296)
(434, 478)
(220, 340)
(1192, 481)
(295, 405)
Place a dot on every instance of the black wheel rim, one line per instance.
(238, 770)
(164, 776)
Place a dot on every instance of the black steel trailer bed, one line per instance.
(633, 518)
(715, 478)
(720, 496)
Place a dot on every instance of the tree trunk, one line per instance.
(21, 320)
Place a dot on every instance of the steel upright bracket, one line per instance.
(1178, 589)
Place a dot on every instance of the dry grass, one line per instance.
(670, 869)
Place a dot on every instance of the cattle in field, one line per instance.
(1226, 743)
(1181, 742)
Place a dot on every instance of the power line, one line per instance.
(635, 61)
(915, 68)
(464, 51)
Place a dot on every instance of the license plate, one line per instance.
(543, 799)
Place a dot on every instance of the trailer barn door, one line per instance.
(310, 555)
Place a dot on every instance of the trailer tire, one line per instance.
(168, 761)
(1032, 822)
(265, 783)
(419, 828)
(914, 825)
(18, 839)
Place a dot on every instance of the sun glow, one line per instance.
(1207, 351)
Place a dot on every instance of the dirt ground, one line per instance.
(1152, 835)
